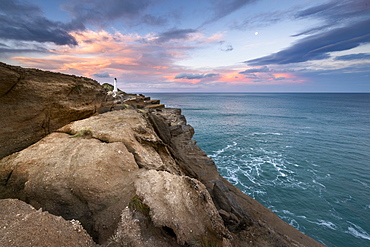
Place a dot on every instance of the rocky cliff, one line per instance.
(127, 170)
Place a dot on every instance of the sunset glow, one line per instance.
(211, 46)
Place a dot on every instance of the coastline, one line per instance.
(141, 143)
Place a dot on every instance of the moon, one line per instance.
(256, 33)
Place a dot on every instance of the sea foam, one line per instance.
(357, 231)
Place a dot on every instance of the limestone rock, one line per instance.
(132, 128)
(33, 103)
(132, 177)
(182, 204)
(170, 210)
(245, 218)
(87, 169)
(74, 177)
(22, 225)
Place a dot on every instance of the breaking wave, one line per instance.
(357, 231)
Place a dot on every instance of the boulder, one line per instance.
(73, 177)
(86, 170)
(170, 210)
(22, 225)
(182, 204)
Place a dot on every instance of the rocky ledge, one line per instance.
(126, 172)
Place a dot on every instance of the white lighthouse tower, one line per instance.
(115, 90)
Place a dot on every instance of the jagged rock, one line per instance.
(177, 209)
(132, 128)
(132, 177)
(246, 215)
(73, 177)
(22, 225)
(92, 169)
(182, 204)
(87, 172)
(33, 103)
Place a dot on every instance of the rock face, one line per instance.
(33, 103)
(136, 178)
(133, 177)
(23, 225)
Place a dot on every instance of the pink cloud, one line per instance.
(141, 62)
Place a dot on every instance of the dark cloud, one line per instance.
(358, 56)
(313, 30)
(102, 75)
(154, 20)
(315, 10)
(192, 76)
(175, 34)
(255, 70)
(335, 13)
(9, 52)
(16, 7)
(337, 10)
(99, 12)
(24, 21)
(22, 50)
(227, 48)
(331, 14)
(319, 45)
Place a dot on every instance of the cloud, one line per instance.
(222, 8)
(191, 76)
(97, 12)
(21, 47)
(14, 7)
(6, 52)
(332, 14)
(358, 56)
(337, 10)
(175, 34)
(227, 48)
(124, 56)
(318, 46)
(24, 21)
(102, 75)
(262, 19)
(154, 20)
(255, 70)
(316, 10)
(335, 13)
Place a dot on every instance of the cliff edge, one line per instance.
(126, 169)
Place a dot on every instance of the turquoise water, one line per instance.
(304, 156)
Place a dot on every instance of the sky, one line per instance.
(194, 46)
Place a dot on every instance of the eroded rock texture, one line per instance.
(33, 103)
(23, 225)
(136, 178)
(132, 177)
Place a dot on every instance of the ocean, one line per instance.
(304, 156)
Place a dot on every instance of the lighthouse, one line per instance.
(115, 90)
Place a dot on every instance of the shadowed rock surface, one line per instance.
(135, 177)
(33, 103)
(22, 225)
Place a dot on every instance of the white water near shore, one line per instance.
(304, 156)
